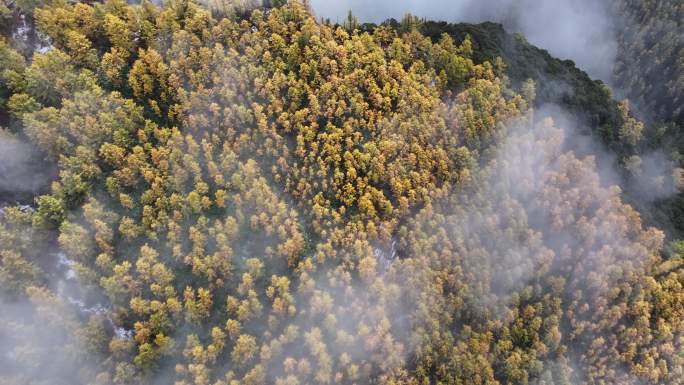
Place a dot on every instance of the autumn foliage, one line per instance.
(262, 198)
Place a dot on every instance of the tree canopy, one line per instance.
(255, 197)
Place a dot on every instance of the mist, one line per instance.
(548, 190)
(543, 206)
(22, 172)
(581, 30)
(44, 341)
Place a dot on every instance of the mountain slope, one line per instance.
(266, 199)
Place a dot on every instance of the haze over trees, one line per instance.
(243, 194)
(650, 66)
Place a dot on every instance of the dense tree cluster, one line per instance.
(650, 72)
(590, 102)
(650, 62)
(257, 198)
(537, 275)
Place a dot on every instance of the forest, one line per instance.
(220, 192)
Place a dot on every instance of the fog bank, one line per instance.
(22, 171)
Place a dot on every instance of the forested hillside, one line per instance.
(633, 137)
(650, 72)
(651, 62)
(556, 81)
(217, 193)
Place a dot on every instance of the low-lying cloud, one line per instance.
(22, 173)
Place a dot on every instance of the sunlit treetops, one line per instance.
(257, 197)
